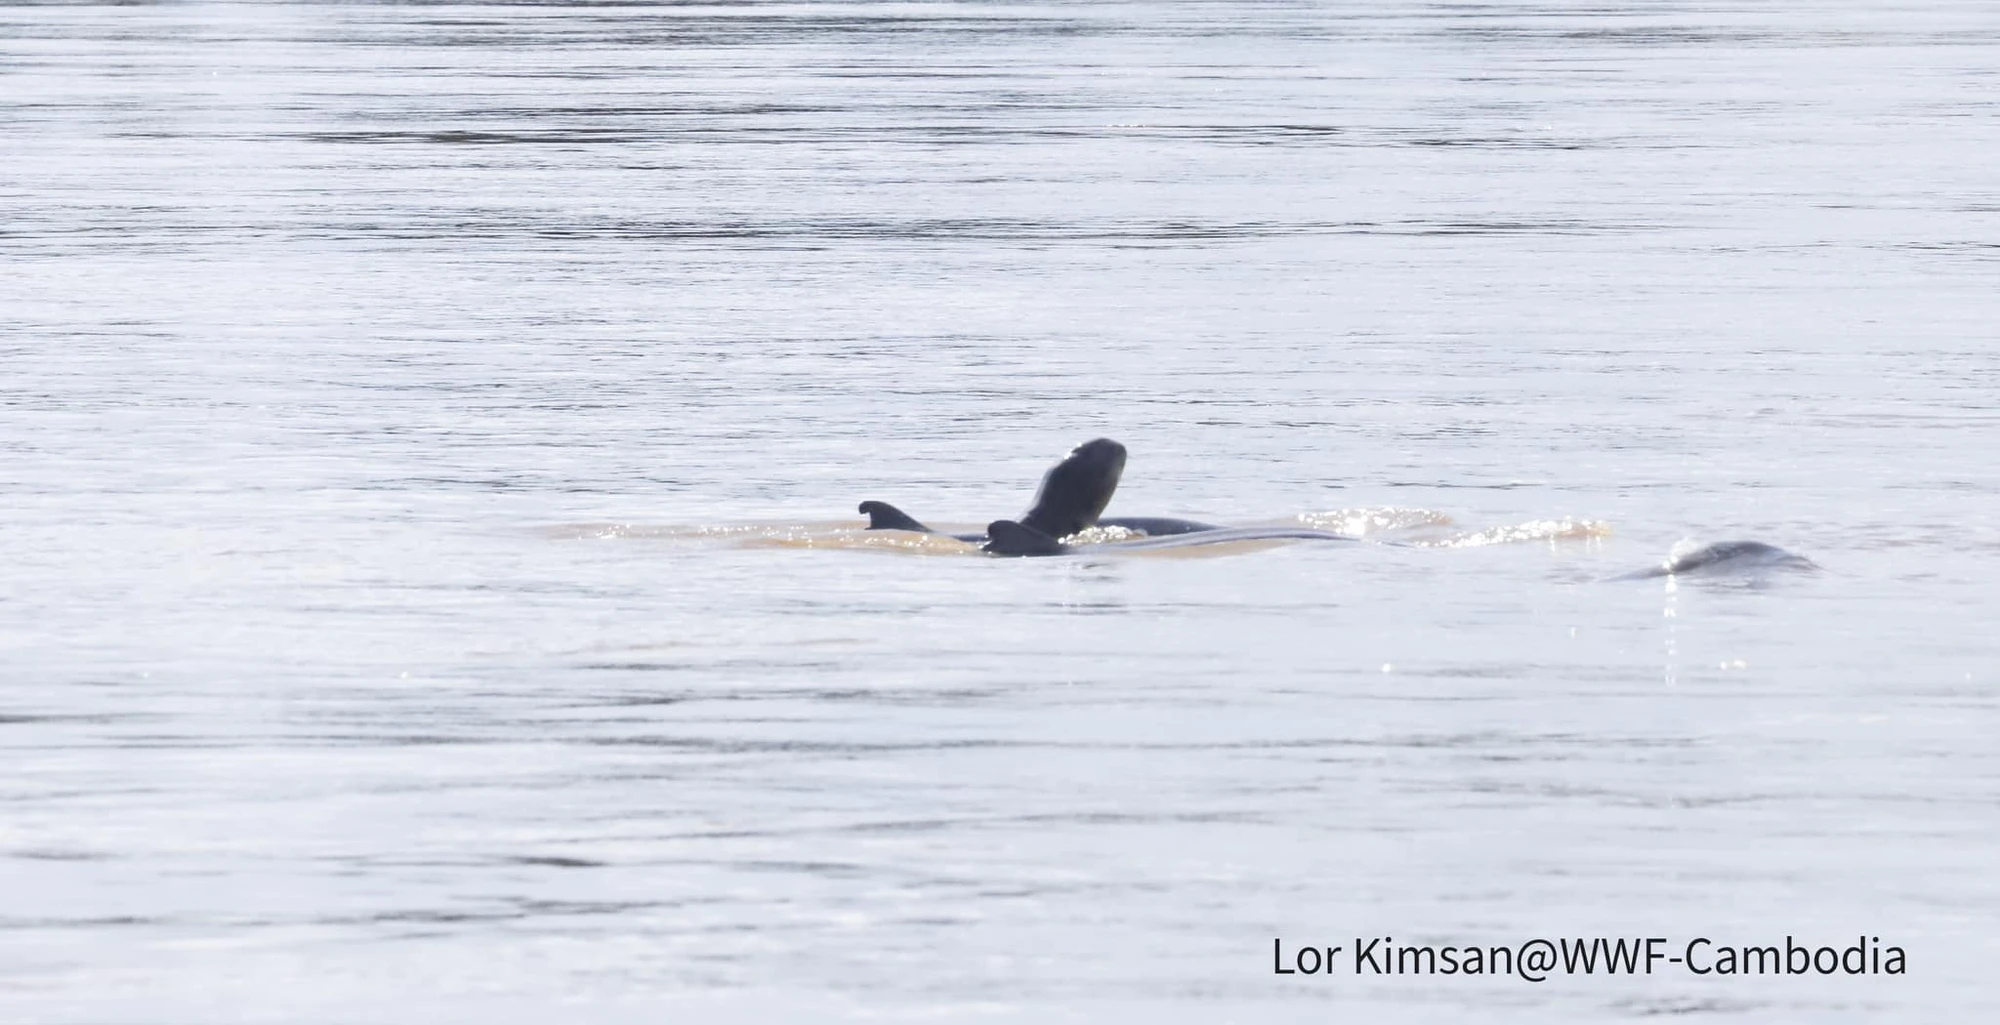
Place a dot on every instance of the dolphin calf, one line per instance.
(1071, 498)
(1740, 557)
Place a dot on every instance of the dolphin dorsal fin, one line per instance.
(883, 516)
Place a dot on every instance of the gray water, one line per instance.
(432, 431)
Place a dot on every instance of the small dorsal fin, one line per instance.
(883, 516)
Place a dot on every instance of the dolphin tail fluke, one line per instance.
(1005, 537)
(883, 516)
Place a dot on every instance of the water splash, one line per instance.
(859, 540)
(1101, 534)
(1373, 519)
(1564, 529)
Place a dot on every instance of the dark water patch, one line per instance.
(957, 230)
(155, 236)
(400, 739)
(1549, 29)
(53, 854)
(1328, 135)
(832, 869)
(106, 922)
(1682, 1006)
(89, 719)
(739, 664)
(900, 696)
(554, 861)
(1982, 249)
(1512, 485)
(461, 137)
(725, 128)
(1474, 142)
(676, 25)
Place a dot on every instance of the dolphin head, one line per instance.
(1075, 491)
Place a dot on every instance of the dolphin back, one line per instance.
(1742, 557)
(1156, 526)
(1006, 537)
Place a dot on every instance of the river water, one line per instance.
(430, 435)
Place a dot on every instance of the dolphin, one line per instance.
(1739, 557)
(1071, 498)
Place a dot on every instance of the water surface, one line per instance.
(406, 408)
